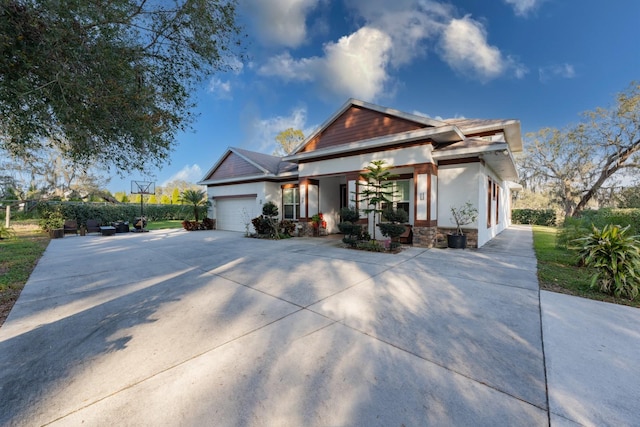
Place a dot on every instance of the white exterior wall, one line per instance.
(504, 208)
(272, 193)
(407, 156)
(458, 184)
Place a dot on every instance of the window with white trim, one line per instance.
(291, 203)
(401, 195)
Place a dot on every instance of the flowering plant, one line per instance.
(317, 220)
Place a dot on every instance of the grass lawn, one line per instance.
(558, 272)
(159, 225)
(18, 257)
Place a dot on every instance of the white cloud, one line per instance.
(408, 23)
(393, 35)
(523, 7)
(189, 173)
(357, 64)
(353, 66)
(289, 68)
(564, 71)
(280, 22)
(466, 49)
(221, 89)
(428, 116)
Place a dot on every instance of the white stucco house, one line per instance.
(438, 163)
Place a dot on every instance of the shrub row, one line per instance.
(106, 214)
(576, 228)
(604, 216)
(534, 216)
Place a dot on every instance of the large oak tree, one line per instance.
(576, 163)
(107, 81)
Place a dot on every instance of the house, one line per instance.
(438, 163)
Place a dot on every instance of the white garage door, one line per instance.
(231, 214)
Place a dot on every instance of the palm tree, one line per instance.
(197, 198)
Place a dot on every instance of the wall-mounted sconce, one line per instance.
(421, 196)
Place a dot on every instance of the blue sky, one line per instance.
(542, 62)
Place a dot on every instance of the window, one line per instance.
(489, 201)
(401, 195)
(497, 195)
(291, 203)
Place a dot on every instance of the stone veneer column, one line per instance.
(425, 237)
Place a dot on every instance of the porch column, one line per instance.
(425, 178)
(309, 198)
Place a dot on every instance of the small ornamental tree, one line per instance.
(379, 190)
(267, 223)
(463, 215)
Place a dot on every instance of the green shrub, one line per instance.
(545, 217)
(370, 245)
(270, 209)
(391, 230)
(108, 213)
(616, 258)
(6, 233)
(395, 215)
(621, 217)
(572, 230)
(349, 214)
(206, 224)
(51, 217)
(352, 233)
(287, 227)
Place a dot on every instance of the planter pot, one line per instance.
(56, 233)
(456, 241)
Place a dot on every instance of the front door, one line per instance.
(344, 201)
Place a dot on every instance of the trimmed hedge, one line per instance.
(108, 213)
(577, 228)
(534, 216)
(620, 217)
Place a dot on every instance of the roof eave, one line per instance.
(442, 134)
(237, 179)
(511, 129)
(493, 155)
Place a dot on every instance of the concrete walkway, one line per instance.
(209, 328)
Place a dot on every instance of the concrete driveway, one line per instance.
(209, 328)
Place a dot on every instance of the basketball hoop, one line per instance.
(142, 188)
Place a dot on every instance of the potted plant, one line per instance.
(52, 221)
(317, 222)
(463, 215)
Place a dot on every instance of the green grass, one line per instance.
(558, 270)
(159, 225)
(18, 258)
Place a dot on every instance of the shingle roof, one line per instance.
(273, 164)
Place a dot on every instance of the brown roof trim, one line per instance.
(393, 147)
(253, 180)
(459, 161)
(235, 196)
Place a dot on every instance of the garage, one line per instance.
(231, 212)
